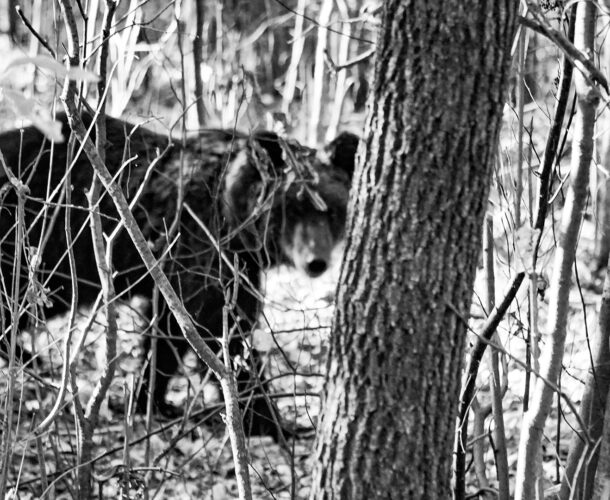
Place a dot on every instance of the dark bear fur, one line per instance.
(256, 204)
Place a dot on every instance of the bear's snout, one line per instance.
(316, 267)
(310, 245)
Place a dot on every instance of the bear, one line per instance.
(250, 202)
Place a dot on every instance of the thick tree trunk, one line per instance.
(416, 216)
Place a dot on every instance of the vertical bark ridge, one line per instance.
(415, 222)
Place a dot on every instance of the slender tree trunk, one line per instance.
(416, 216)
(602, 248)
(601, 485)
(577, 483)
(528, 480)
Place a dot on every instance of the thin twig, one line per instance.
(489, 328)
(589, 70)
(348, 64)
(34, 32)
(316, 23)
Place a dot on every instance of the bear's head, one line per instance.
(291, 200)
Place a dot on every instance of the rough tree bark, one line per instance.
(414, 235)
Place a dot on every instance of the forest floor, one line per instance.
(187, 460)
(293, 334)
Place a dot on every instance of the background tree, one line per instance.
(529, 469)
(414, 235)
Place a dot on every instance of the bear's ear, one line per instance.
(270, 143)
(260, 160)
(341, 151)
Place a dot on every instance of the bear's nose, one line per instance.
(316, 267)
